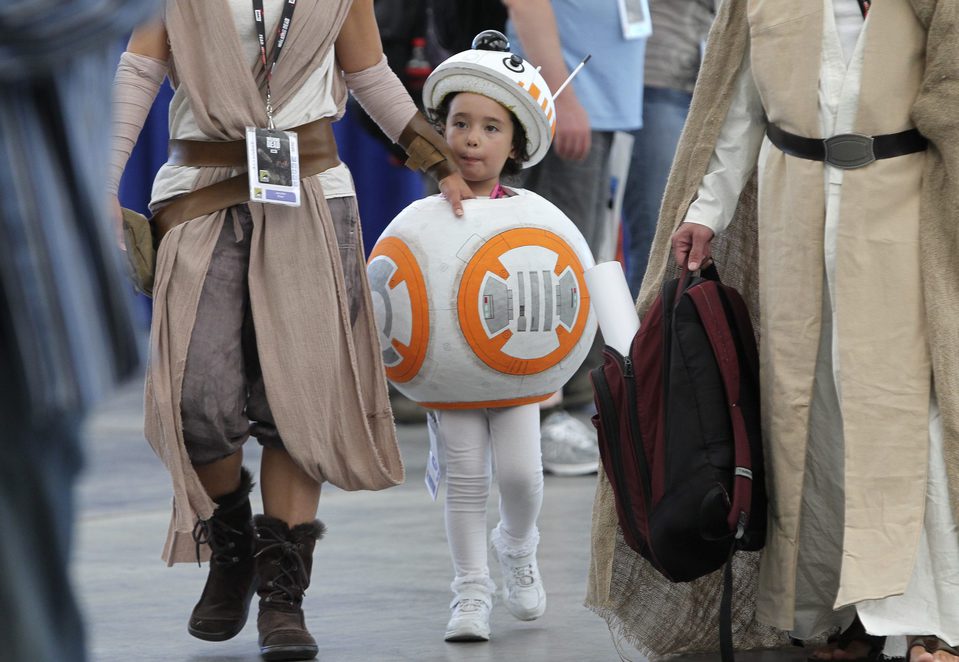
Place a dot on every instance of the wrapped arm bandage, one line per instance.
(386, 101)
(383, 97)
(135, 86)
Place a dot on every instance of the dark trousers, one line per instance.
(664, 114)
(40, 461)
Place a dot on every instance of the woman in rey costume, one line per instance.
(262, 317)
(846, 111)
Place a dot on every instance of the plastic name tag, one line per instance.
(635, 19)
(434, 469)
(273, 161)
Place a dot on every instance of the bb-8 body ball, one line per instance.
(489, 310)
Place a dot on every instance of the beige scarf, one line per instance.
(325, 380)
(661, 618)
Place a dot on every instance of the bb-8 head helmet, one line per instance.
(491, 70)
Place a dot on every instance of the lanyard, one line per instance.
(864, 6)
(282, 30)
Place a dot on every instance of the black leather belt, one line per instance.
(848, 150)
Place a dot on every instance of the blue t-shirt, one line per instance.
(610, 86)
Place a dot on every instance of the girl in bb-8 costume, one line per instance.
(487, 139)
(494, 125)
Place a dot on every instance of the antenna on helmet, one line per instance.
(572, 75)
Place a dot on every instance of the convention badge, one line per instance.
(634, 18)
(273, 162)
(434, 470)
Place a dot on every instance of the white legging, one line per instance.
(467, 437)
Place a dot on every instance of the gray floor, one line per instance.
(380, 583)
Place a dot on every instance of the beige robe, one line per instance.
(324, 380)
(877, 283)
(880, 329)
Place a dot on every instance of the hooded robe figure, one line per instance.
(853, 276)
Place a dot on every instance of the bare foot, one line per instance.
(824, 653)
(918, 653)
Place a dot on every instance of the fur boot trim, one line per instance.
(314, 530)
(237, 497)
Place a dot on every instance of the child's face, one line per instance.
(480, 133)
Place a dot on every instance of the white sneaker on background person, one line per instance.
(569, 445)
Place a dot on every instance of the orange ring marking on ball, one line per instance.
(483, 404)
(407, 270)
(487, 259)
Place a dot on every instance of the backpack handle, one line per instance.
(709, 272)
(680, 286)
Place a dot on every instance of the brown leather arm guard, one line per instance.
(426, 149)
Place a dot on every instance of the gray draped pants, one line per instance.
(224, 399)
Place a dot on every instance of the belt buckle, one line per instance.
(849, 151)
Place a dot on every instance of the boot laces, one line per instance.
(218, 535)
(287, 586)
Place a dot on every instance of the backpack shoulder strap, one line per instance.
(705, 296)
(744, 327)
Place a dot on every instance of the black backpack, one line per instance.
(679, 434)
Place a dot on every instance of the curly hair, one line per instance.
(513, 165)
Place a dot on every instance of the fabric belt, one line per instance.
(317, 147)
(848, 150)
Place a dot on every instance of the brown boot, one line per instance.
(284, 561)
(225, 603)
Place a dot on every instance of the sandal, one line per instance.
(856, 632)
(931, 644)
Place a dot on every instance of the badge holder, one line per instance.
(635, 19)
(273, 162)
(273, 157)
(435, 473)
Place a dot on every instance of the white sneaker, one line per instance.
(470, 618)
(523, 590)
(569, 446)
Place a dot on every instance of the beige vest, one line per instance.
(881, 336)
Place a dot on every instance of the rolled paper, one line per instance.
(613, 304)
